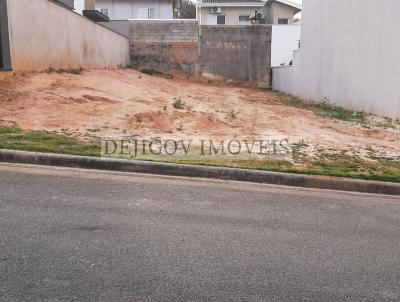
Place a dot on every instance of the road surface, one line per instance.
(84, 235)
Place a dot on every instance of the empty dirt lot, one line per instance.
(114, 102)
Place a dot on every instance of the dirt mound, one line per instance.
(129, 102)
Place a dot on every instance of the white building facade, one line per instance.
(280, 11)
(131, 9)
(285, 40)
(240, 12)
(349, 55)
(227, 12)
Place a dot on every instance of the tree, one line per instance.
(185, 9)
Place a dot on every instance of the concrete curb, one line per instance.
(286, 179)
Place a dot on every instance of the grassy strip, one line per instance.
(77, 71)
(327, 109)
(357, 170)
(42, 141)
(157, 73)
(339, 165)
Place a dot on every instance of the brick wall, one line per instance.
(164, 31)
(164, 44)
(236, 52)
(233, 52)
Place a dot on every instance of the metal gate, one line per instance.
(5, 56)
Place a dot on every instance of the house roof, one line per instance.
(230, 1)
(297, 6)
(206, 3)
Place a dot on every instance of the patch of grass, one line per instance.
(327, 109)
(388, 123)
(76, 71)
(343, 165)
(157, 73)
(338, 164)
(178, 103)
(43, 141)
(357, 170)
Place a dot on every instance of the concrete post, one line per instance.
(5, 55)
(90, 4)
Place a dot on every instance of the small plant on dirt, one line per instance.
(234, 114)
(179, 104)
(165, 108)
(77, 71)
(180, 126)
(157, 73)
(210, 118)
(92, 130)
(388, 123)
(138, 118)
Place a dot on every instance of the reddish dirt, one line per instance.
(111, 102)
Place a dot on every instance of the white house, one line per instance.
(227, 12)
(240, 12)
(129, 9)
(280, 11)
(285, 32)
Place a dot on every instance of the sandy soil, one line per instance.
(105, 103)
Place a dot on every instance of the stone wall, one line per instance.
(236, 52)
(164, 44)
(232, 52)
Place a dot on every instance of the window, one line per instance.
(104, 11)
(212, 19)
(151, 13)
(220, 19)
(283, 21)
(244, 18)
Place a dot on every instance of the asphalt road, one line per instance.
(76, 235)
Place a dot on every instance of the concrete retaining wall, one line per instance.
(164, 44)
(44, 34)
(233, 52)
(349, 55)
(236, 52)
